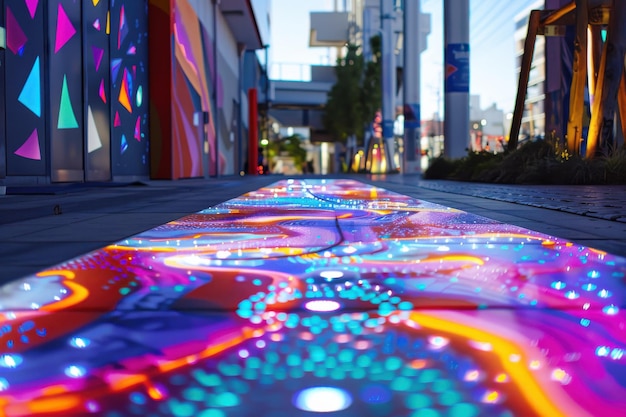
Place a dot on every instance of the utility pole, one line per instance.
(411, 91)
(457, 77)
(387, 16)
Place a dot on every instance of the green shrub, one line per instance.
(539, 162)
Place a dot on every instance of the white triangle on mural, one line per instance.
(93, 139)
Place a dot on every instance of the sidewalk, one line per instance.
(310, 295)
(33, 237)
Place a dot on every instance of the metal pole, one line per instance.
(216, 112)
(457, 77)
(411, 75)
(388, 80)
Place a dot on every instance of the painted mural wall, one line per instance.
(188, 110)
(75, 98)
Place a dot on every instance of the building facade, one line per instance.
(119, 90)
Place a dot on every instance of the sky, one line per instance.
(492, 49)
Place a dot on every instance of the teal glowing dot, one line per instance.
(192, 278)
(4, 384)
(585, 322)
(603, 351)
(558, 285)
(180, 409)
(604, 293)
(441, 385)
(463, 410)
(589, 287)
(346, 356)
(244, 314)
(257, 282)
(179, 288)
(572, 295)
(154, 288)
(294, 360)
(124, 290)
(426, 412)
(194, 394)
(393, 363)
(611, 310)
(449, 398)
(428, 376)
(405, 306)
(358, 373)
(363, 361)
(418, 401)
(401, 383)
(226, 399)
(207, 380)
(593, 274)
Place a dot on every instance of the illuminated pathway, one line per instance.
(314, 296)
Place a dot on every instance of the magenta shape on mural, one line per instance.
(138, 129)
(132, 50)
(96, 24)
(16, 39)
(102, 92)
(32, 7)
(30, 149)
(98, 53)
(117, 122)
(123, 30)
(65, 29)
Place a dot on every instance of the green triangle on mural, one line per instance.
(67, 119)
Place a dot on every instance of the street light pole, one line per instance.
(388, 80)
(457, 77)
(411, 91)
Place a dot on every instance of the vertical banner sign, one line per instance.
(457, 68)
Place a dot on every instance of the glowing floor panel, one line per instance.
(328, 296)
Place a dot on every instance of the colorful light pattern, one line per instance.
(320, 296)
(30, 96)
(30, 149)
(65, 29)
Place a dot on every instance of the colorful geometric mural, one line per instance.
(74, 103)
(320, 297)
(24, 96)
(129, 47)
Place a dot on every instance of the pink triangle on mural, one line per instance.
(15, 36)
(101, 91)
(117, 122)
(32, 7)
(138, 129)
(30, 148)
(96, 24)
(98, 53)
(65, 29)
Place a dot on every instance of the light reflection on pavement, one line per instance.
(320, 296)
